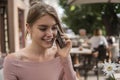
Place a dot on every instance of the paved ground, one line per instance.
(92, 76)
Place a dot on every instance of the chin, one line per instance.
(48, 46)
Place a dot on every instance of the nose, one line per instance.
(49, 33)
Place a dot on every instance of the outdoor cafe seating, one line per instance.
(86, 61)
(85, 55)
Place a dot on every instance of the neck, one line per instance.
(36, 50)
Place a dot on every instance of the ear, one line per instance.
(28, 28)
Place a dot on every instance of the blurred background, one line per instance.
(74, 15)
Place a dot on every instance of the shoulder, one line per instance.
(9, 61)
(10, 58)
(92, 38)
(11, 55)
(103, 38)
(10, 64)
(15, 55)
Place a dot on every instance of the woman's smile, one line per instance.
(49, 40)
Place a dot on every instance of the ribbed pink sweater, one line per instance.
(56, 69)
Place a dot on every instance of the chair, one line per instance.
(102, 56)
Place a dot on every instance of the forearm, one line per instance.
(69, 73)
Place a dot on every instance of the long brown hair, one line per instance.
(40, 9)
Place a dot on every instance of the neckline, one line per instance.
(56, 59)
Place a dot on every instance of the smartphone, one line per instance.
(59, 40)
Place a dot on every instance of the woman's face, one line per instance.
(44, 31)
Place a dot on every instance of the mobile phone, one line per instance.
(59, 40)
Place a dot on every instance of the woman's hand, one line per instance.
(64, 52)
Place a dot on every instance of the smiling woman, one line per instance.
(43, 59)
(43, 31)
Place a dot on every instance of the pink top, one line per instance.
(56, 69)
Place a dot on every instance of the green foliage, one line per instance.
(111, 78)
(87, 16)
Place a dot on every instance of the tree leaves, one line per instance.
(88, 16)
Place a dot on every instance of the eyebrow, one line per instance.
(46, 25)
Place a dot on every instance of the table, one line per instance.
(87, 54)
(84, 51)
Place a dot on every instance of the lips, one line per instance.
(49, 40)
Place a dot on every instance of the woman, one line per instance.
(43, 59)
(99, 44)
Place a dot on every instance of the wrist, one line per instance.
(63, 55)
(66, 60)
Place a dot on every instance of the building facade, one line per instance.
(12, 24)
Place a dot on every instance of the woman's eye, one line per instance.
(42, 29)
(54, 28)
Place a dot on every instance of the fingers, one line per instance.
(66, 49)
(64, 36)
(65, 39)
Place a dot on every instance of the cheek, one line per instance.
(37, 34)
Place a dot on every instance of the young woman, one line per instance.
(43, 59)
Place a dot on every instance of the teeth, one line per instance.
(49, 40)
